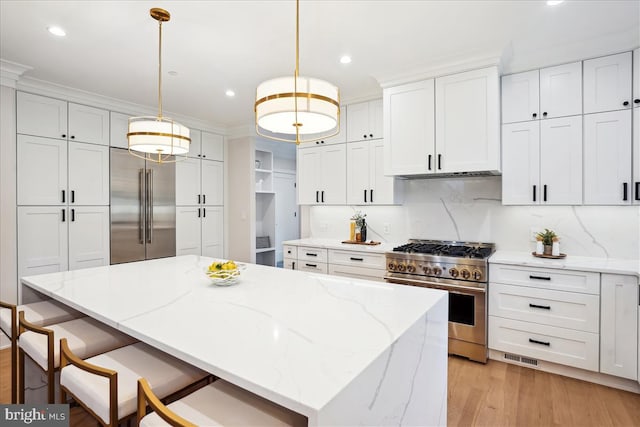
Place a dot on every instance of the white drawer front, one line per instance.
(357, 259)
(556, 308)
(565, 346)
(312, 254)
(357, 272)
(289, 251)
(289, 264)
(546, 278)
(316, 267)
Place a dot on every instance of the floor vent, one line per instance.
(529, 361)
(521, 359)
(512, 357)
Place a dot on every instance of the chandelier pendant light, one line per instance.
(158, 139)
(293, 107)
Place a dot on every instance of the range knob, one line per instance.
(402, 267)
(426, 269)
(437, 271)
(392, 266)
(477, 275)
(453, 272)
(411, 268)
(465, 273)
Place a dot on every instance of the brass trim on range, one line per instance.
(172, 135)
(296, 95)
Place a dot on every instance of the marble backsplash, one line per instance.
(470, 209)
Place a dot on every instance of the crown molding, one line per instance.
(10, 72)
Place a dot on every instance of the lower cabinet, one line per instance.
(52, 239)
(199, 231)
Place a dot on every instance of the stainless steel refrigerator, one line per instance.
(143, 208)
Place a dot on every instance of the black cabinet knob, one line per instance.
(317, 142)
(321, 142)
(370, 135)
(64, 136)
(544, 114)
(364, 136)
(625, 103)
(204, 156)
(535, 115)
(636, 101)
(73, 137)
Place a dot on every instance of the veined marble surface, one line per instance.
(340, 351)
(337, 244)
(582, 263)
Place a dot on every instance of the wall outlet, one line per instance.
(533, 232)
(386, 228)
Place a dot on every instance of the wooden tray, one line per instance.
(549, 256)
(353, 242)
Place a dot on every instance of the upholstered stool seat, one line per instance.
(124, 366)
(218, 404)
(41, 313)
(86, 337)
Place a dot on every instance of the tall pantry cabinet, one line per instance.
(62, 185)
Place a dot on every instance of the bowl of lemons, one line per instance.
(223, 273)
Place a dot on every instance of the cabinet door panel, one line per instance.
(88, 174)
(358, 121)
(188, 234)
(212, 146)
(375, 119)
(636, 78)
(41, 171)
(358, 166)
(409, 129)
(41, 116)
(636, 156)
(386, 190)
(88, 124)
(561, 90)
(520, 97)
(334, 175)
(188, 182)
(196, 144)
(561, 161)
(607, 158)
(521, 163)
(42, 240)
(212, 182)
(308, 171)
(119, 126)
(212, 232)
(618, 329)
(607, 83)
(88, 236)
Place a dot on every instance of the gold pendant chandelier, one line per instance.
(291, 107)
(158, 139)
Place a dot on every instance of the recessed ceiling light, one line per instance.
(230, 93)
(57, 31)
(554, 2)
(345, 59)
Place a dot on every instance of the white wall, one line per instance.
(241, 222)
(8, 248)
(470, 209)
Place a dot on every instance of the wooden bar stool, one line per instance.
(86, 336)
(106, 385)
(41, 313)
(217, 404)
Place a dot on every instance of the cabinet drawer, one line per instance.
(357, 259)
(289, 264)
(316, 267)
(565, 346)
(312, 254)
(546, 278)
(555, 308)
(364, 273)
(289, 251)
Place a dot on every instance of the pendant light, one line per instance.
(158, 139)
(291, 107)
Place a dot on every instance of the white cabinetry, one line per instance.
(607, 83)
(88, 236)
(364, 120)
(88, 124)
(199, 182)
(520, 97)
(212, 146)
(468, 122)
(607, 150)
(366, 182)
(409, 128)
(188, 230)
(521, 163)
(88, 174)
(636, 126)
(618, 330)
(265, 209)
(561, 90)
(119, 126)
(321, 175)
(212, 231)
(41, 116)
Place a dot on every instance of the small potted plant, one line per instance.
(547, 236)
(361, 226)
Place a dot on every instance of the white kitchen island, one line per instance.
(340, 351)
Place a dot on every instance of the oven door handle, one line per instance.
(444, 287)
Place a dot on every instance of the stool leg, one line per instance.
(14, 370)
(21, 375)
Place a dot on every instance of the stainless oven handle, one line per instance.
(444, 287)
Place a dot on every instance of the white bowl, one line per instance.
(223, 277)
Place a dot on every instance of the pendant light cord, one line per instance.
(295, 76)
(160, 70)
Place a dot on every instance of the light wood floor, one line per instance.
(495, 394)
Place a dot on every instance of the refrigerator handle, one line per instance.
(141, 219)
(150, 206)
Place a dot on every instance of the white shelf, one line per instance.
(264, 171)
(263, 250)
(265, 192)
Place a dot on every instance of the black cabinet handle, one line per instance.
(308, 254)
(531, 340)
(63, 215)
(64, 135)
(322, 196)
(321, 142)
(198, 212)
(204, 212)
(317, 142)
(198, 199)
(73, 137)
(293, 265)
(312, 265)
(625, 103)
(317, 196)
(544, 193)
(544, 307)
(371, 196)
(539, 277)
(365, 196)
(370, 135)
(535, 115)
(199, 155)
(63, 193)
(73, 215)
(356, 259)
(544, 114)
(624, 191)
(638, 190)
(73, 196)
(204, 156)
(429, 161)
(365, 136)
(204, 199)
(534, 192)
(439, 161)
(636, 101)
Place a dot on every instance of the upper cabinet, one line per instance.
(88, 124)
(119, 126)
(196, 143)
(636, 78)
(561, 90)
(321, 173)
(366, 182)
(468, 122)
(521, 97)
(212, 146)
(41, 116)
(341, 136)
(607, 83)
(364, 121)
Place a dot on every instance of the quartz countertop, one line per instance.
(296, 338)
(337, 244)
(599, 265)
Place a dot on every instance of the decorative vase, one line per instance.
(352, 230)
(363, 232)
(548, 249)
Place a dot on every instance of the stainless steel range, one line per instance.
(458, 267)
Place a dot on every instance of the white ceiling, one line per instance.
(111, 46)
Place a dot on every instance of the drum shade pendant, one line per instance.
(158, 139)
(292, 107)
